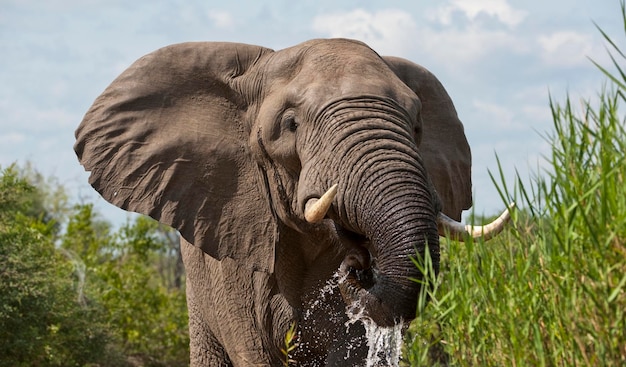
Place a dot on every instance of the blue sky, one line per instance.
(499, 60)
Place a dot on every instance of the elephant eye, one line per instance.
(290, 123)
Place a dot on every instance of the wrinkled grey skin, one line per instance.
(227, 142)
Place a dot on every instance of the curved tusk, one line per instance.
(457, 230)
(316, 209)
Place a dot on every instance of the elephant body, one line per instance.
(233, 145)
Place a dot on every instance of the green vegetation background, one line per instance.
(550, 291)
(85, 296)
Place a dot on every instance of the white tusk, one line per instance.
(316, 209)
(457, 230)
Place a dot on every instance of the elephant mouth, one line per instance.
(355, 283)
(365, 287)
(358, 269)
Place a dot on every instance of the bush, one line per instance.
(87, 296)
(41, 321)
(136, 276)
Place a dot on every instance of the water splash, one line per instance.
(322, 296)
(384, 343)
(319, 312)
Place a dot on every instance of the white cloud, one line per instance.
(454, 44)
(395, 32)
(30, 118)
(457, 47)
(221, 19)
(471, 9)
(498, 117)
(12, 138)
(566, 48)
(387, 31)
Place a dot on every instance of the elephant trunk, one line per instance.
(386, 210)
(397, 218)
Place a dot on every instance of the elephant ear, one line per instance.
(168, 139)
(443, 146)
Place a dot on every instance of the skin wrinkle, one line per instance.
(286, 210)
(338, 120)
(360, 176)
(381, 191)
(335, 112)
(370, 160)
(398, 216)
(338, 130)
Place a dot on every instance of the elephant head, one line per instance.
(234, 145)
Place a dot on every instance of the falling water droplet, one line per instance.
(384, 343)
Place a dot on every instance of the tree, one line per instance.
(76, 292)
(134, 275)
(41, 322)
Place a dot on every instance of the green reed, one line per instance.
(551, 290)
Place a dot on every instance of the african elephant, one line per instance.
(280, 169)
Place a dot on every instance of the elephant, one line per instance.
(283, 170)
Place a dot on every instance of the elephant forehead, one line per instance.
(335, 61)
(349, 68)
(320, 91)
(322, 70)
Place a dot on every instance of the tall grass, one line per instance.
(552, 290)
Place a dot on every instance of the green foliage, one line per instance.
(147, 313)
(290, 343)
(88, 295)
(552, 290)
(41, 322)
(135, 275)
